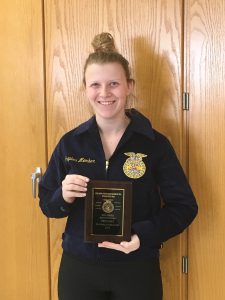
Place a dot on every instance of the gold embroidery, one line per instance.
(134, 167)
(80, 160)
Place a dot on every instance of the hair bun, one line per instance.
(103, 42)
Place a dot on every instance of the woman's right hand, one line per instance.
(74, 186)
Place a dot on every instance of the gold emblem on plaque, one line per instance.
(108, 207)
(134, 167)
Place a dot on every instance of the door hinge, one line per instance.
(185, 264)
(185, 101)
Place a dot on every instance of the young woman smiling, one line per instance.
(121, 145)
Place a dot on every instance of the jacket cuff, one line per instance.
(144, 231)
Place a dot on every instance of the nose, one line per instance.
(104, 91)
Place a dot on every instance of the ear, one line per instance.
(130, 84)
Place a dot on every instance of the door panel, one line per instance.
(207, 144)
(24, 271)
(148, 33)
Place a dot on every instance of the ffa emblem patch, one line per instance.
(134, 167)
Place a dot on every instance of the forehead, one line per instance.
(108, 71)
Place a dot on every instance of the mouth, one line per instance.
(106, 103)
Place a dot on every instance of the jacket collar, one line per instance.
(139, 124)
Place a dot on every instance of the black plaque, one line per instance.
(108, 207)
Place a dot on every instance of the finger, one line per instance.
(76, 179)
(69, 194)
(74, 188)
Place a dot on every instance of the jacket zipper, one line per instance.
(106, 176)
(106, 168)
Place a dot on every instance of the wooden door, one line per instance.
(24, 271)
(206, 32)
(149, 34)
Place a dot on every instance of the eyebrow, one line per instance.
(98, 80)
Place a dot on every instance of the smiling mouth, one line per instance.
(106, 102)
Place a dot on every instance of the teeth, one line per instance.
(106, 102)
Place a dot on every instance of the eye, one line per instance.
(114, 83)
(95, 85)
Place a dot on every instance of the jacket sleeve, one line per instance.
(51, 202)
(179, 204)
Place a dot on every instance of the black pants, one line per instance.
(111, 281)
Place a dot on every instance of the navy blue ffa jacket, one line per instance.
(157, 176)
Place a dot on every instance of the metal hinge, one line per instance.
(185, 264)
(185, 101)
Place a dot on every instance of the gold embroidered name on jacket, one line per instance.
(134, 167)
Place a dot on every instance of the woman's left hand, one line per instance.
(125, 247)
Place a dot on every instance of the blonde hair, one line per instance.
(106, 52)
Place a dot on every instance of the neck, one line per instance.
(112, 126)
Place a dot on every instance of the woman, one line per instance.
(99, 149)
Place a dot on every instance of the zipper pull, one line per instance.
(106, 165)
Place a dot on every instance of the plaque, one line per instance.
(108, 206)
